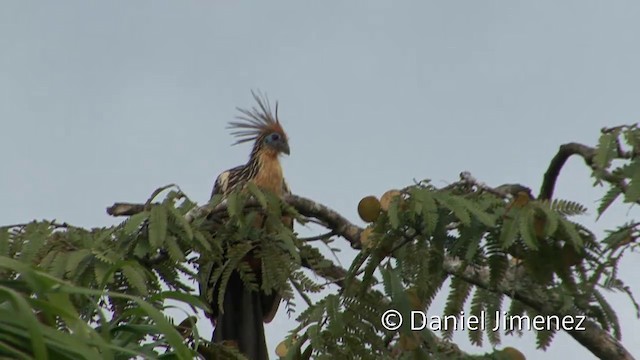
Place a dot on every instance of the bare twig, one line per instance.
(558, 161)
(332, 272)
(321, 237)
(503, 191)
(52, 223)
(158, 258)
(301, 292)
(125, 209)
(157, 192)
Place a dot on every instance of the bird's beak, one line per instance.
(284, 148)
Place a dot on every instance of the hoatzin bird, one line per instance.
(244, 311)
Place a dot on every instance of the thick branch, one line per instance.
(330, 218)
(333, 220)
(558, 161)
(587, 153)
(334, 273)
(599, 342)
(125, 209)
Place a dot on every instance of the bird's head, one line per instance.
(261, 126)
(276, 142)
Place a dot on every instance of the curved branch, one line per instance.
(587, 153)
(598, 341)
(558, 161)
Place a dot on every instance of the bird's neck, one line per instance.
(268, 174)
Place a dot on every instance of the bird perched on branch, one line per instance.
(244, 311)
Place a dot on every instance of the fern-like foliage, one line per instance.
(463, 241)
(424, 226)
(145, 257)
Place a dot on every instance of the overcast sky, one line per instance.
(104, 101)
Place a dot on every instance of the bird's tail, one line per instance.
(242, 319)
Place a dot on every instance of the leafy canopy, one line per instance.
(75, 293)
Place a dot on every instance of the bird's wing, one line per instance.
(227, 180)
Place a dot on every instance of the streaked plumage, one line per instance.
(245, 311)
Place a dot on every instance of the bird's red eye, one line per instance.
(275, 137)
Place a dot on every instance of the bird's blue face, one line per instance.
(277, 142)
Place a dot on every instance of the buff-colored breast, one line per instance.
(270, 177)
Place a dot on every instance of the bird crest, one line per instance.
(257, 122)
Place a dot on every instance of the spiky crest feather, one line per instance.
(256, 123)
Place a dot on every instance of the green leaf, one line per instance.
(527, 229)
(215, 200)
(141, 249)
(482, 216)
(182, 224)
(394, 220)
(191, 300)
(233, 204)
(102, 273)
(568, 208)
(460, 291)
(74, 259)
(25, 313)
(615, 238)
(172, 335)
(608, 199)
(632, 138)
(135, 277)
(59, 265)
(157, 226)
(454, 204)
(258, 194)
(287, 243)
(204, 242)
(477, 308)
(37, 234)
(4, 242)
(498, 266)
(606, 150)
(67, 311)
(133, 223)
(574, 236)
(175, 253)
(399, 298)
(544, 336)
(509, 231)
(551, 218)
(633, 190)
(429, 208)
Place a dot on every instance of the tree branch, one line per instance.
(125, 209)
(594, 338)
(502, 191)
(587, 153)
(558, 161)
(598, 341)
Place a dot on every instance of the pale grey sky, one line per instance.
(104, 101)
